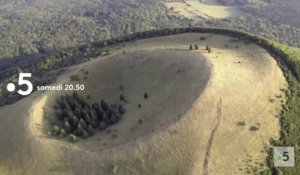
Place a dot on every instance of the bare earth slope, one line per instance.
(206, 139)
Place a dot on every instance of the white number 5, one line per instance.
(22, 81)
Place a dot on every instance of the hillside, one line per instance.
(193, 141)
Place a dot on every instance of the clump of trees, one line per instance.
(196, 47)
(76, 117)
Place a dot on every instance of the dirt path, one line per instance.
(211, 138)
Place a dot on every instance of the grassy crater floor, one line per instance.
(172, 79)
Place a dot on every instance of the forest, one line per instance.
(76, 117)
(29, 28)
(40, 26)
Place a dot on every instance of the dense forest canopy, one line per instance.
(34, 26)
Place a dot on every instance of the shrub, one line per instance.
(122, 98)
(74, 78)
(241, 123)
(253, 128)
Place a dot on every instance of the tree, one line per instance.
(104, 105)
(146, 95)
(122, 98)
(67, 126)
(59, 113)
(191, 47)
(121, 109)
(196, 47)
(75, 121)
(79, 130)
(114, 119)
(62, 132)
(83, 124)
(85, 134)
(73, 138)
(102, 126)
(90, 130)
(208, 49)
(55, 130)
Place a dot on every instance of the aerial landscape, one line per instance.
(149, 87)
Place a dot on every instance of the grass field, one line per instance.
(194, 8)
(212, 135)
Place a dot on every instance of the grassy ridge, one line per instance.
(289, 116)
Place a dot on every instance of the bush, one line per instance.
(241, 123)
(253, 128)
(74, 78)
